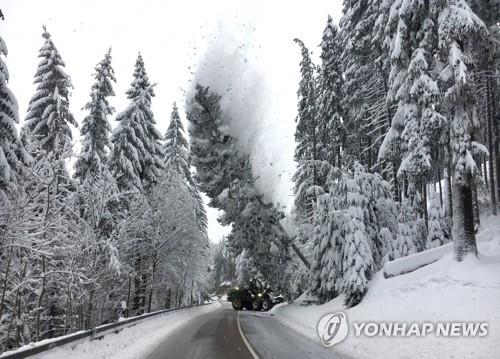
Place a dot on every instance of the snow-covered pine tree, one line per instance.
(389, 240)
(359, 251)
(308, 177)
(225, 175)
(418, 126)
(176, 156)
(136, 159)
(358, 263)
(487, 65)
(459, 32)
(96, 127)
(364, 60)
(351, 229)
(49, 118)
(175, 148)
(329, 122)
(47, 136)
(13, 157)
(437, 233)
(326, 264)
(407, 235)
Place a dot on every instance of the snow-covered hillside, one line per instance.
(444, 291)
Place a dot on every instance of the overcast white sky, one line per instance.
(177, 39)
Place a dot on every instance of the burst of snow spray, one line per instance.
(231, 67)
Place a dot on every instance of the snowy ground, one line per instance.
(442, 291)
(134, 342)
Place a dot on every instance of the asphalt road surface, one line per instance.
(228, 334)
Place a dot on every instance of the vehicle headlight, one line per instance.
(259, 295)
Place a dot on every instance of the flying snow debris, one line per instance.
(231, 67)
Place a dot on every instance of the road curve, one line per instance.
(221, 334)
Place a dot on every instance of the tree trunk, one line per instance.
(90, 315)
(440, 187)
(287, 240)
(19, 323)
(484, 171)
(139, 287)
(168, 298)
(448, 194)
(5, 282)
(475, 207)
(151, 287)
(424, 204)
(491, 150)
(464, 239)
(39, 303)
(128, 293)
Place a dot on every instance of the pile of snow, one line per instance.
(444, 291)
(415, 261)
(136, 341)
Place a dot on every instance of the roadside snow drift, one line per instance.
(444, 291)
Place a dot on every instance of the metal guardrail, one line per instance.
(96, 333)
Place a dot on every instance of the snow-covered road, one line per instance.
(227, 334)
(271, 339)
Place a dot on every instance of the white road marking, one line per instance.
(245, 340)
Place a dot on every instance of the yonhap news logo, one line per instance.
(334, 327)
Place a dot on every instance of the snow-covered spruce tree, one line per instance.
(329, 113)
(96, 127)
(407, 235)
(136, 162)
(365, 67)
(225, 175)
(328, 242)
(487, 65)
(309, 174)
(175, 148)
(47, 134)
(98, 202)
(136, 159)
(13, 157)
(358, 261)
(378, 209)
(49, 118)
(459, 32)
(437, 229)
(411, 34)
(176, 156)
(351, 225)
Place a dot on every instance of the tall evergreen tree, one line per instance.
(459, 32)
(96, 127)
(330, 125)
(136, 158)
(225, 175)
(308, 176)
(417, 127)
(437, 234)
(13, 157)
(365, 70)
(176, 157)
(49, 118)
(354, 225)
(175, 148)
